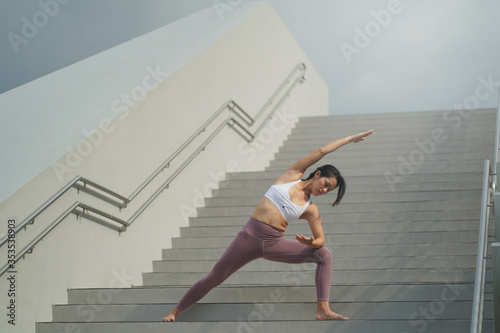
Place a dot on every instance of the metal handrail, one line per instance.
(297, 80)
(487, 201)
(231, 121)
(229, 104)
(269, 102)
(482, 254)
(30, 219)
(497, 139)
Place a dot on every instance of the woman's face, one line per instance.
(323, 185)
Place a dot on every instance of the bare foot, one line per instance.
(171, 316)
(330, 315)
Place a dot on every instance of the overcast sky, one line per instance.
(375, 56)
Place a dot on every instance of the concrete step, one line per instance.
(396, 121)
(345, 228)
(375, 170)
(390, 132)
(420, 142)
(469, 180)
(263, 180)
(375, 207)
(395, 128)
(411, 157)
(360, 198)
(369, 160)
(302, 311)
(252, 294)
(257, 322)
(262, 265)
(404, 186)
(400, 130)
(327, 216)
(347, 251)
(387, 238)
(250, 180)
(407, 117)
(368, 149)
(423, 142)
(285, 160)
(394, 157)
(407, 132)
(271, 176)
(306, 277)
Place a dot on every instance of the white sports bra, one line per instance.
(279, 196)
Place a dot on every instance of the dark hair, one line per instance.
(329, 171)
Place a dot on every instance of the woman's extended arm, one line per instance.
(296, 170)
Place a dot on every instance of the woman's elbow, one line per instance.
(319, 242)
(320, 152)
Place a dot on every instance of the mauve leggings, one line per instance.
(259, 240)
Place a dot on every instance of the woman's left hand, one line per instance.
(361, 136)
(305, 240)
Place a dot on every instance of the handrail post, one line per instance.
(495, 253)
(496, 212)
(497, 139)
(482, 247)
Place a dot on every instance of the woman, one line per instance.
(262, 236)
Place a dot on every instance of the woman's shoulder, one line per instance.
(287, 183)
(288, 177)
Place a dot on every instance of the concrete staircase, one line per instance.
(404, 240)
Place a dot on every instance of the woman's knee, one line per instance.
(324, 253)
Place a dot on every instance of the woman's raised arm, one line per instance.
(296, 170)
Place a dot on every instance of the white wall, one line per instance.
(246, 64)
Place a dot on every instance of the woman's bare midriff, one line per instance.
(268, 213)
